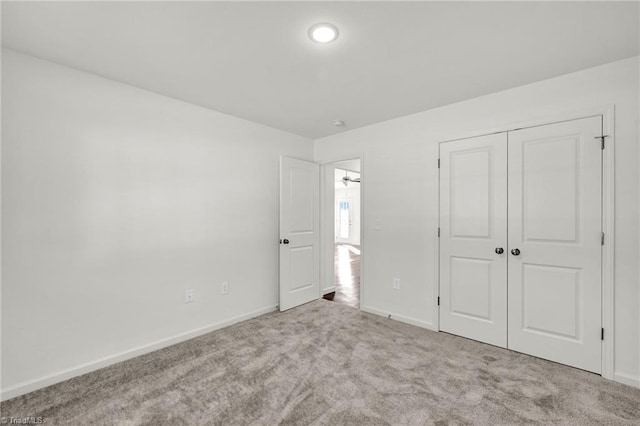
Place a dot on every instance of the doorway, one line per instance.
(346, 236)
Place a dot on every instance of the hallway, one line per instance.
(347, 276)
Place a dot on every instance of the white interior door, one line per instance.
(555, 225)
(473, 231)
(299, 232)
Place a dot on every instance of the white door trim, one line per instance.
(608, 227)
(608, 214)
(327, 222)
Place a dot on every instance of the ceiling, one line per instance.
(255, 60)
(350, 165)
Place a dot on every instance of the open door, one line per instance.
(299, 232)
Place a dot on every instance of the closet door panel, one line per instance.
(473, 178)
(554, 266)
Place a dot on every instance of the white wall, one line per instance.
(401, 170)
(114, 202)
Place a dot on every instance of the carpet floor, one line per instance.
(329, 364)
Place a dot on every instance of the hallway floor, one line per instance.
(347, 275)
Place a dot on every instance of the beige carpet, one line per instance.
(329, 364)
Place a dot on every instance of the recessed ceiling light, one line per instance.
(323, 33)
(338, 123)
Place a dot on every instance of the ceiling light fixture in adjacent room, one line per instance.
(323, 33)
(338, 123)
(346, 179)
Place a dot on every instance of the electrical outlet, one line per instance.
(188, 296)
(396, 283)
(224, 288)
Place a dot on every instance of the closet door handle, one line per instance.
(515, 252)
(499, 250)
(285, 241)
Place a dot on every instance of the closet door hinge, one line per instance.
(602, 334)
(438, 163)
(602, 238)
(438, 232)
(602, 138)
(438, 300)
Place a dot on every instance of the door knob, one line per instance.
(285, 241)
(515, 252)
(499, 250)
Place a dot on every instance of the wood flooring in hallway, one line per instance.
(347, 275)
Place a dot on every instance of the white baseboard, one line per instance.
(401, 318)
(627, 379)
(32, 385)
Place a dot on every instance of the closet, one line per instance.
(520, 240)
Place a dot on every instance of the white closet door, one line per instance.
(473, 227)
(555, 225)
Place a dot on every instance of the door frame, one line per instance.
(608, 213)
(327, 223)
